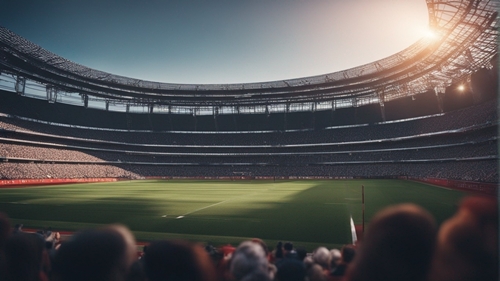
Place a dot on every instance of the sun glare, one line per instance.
(429, 34)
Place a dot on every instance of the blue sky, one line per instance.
(221, 41)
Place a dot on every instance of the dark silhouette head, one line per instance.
(5, 230)
(467, 247)
(348, 253)
(25, 258)
(96, 255)
(291, 270)
(177, 261)
(398, 245)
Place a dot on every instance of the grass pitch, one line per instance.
(309, 213)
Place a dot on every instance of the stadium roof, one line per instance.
(464, 39)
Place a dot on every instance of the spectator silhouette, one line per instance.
(177, 261)
(347, 255)
(290, 270)
(249, 263)
(5, 231)
(398, 246)
(104, 254)
(467, 248)
(26, 258)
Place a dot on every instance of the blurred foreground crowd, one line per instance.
(402, 242)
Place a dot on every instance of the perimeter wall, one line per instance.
(475, 187)
(31, 182)
(467, 186)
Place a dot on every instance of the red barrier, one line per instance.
(476, 187)
(30, 182)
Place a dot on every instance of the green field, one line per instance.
(309, 213)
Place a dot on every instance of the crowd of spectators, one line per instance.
(458, 150)
(479, 115)
(464, 154)
(109, 150)
(474, 170)
(402, 242)
(483, 171)
(64, 171)
(46, 153)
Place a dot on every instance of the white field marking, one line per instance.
(353, 232)
(179, 217)
(218, 203)
(206, 207)
(352, 198)
(164, 216)
(334, 203)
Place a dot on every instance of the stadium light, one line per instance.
(461, 88)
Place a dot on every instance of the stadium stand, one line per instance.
(401, 116)
(416, 147)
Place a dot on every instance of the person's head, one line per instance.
(262, 244)
(278, 252)
(322, 257)
(301, 253)
(288, 247)
(348, 253)
(336, 257)
(316, 273)
(249, 262)
(290, 270)
(95, 254)
(26, 258)
(398, 245)
(177, 261)
(129, 239)
(5, 230)
(467, 246)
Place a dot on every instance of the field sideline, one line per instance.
(309, 213)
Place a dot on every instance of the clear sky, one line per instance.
(218, 41)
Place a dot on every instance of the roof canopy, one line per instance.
(466, 34)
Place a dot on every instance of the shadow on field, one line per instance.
(284, 212)
(317, 214)
(84, 211)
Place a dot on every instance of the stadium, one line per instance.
(423, 117)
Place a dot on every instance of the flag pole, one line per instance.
(363, 203)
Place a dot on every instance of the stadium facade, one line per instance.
(428, 111)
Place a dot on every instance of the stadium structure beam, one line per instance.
(20, 86)
(466, 40)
